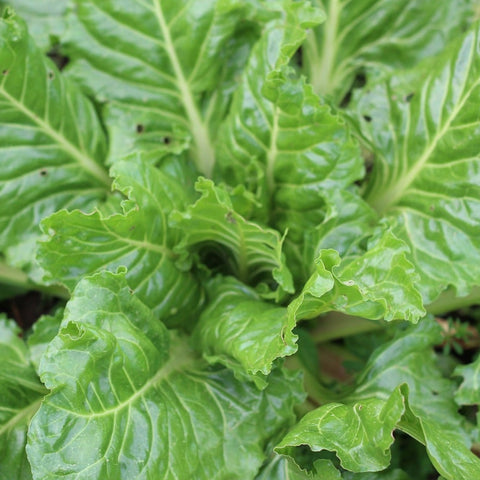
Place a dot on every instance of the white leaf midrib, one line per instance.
(204, 151)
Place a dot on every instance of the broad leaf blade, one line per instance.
(427, 168)
(377, 34)
(20, 395)
(52, 143)
(138, 239)
(359, 433)
(130, 400)
(242, 332)
(156, 79)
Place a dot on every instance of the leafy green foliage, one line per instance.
(211, 196)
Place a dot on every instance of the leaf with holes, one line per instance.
(51, 142)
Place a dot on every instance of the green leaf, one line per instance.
(377, 34)
(138, 239)
(278, 139)
(380, 283)
(20, 395)
(130, 400)
(426, 176)
(51, 143)
(45, 19)
(159, 82)
(255, 252)
(431, 416)
(44, 331)
(360, 433)
(469, 391)
(243, 333)
(422, 403)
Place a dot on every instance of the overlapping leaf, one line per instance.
(130, 400)
(138, 239)
(242, 332)
(20, 395)
(254, 252)
(427, 167)
(379, 34)
(359, 433)
(51, 143)
(424, 401)
(278, 139)
(380, 283)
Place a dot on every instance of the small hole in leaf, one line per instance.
(140, 128)
(167, 140)
(51, 75)
(5, 72)
(367, 118)
(408, 97)
(43, 172)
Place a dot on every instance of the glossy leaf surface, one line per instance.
(242, 332)
(20, 395)
(115, 373)
(51, 142)
(426, 177)
(139, 239)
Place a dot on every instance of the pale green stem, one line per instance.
(448, 301)
(338, 325)
(17, 278)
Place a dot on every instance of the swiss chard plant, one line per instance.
(239, 239)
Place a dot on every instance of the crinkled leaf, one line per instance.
(469, 391)
(432, 416)
(160, 82)
(377, 284)
(423, 131)
(254, 252)
(130, 400)
(243, 332)
(279, 139)
(359, 433)
(388, 475)
(406, 365)
(51, 143)
(138, 239)
(20, 395)
(379, 34)
(45, 19)
(44, 331)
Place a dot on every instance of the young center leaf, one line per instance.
(139, 239)
(422, 128)
(51, 142)
(254, 253)
(130, 399)
(20, 395)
